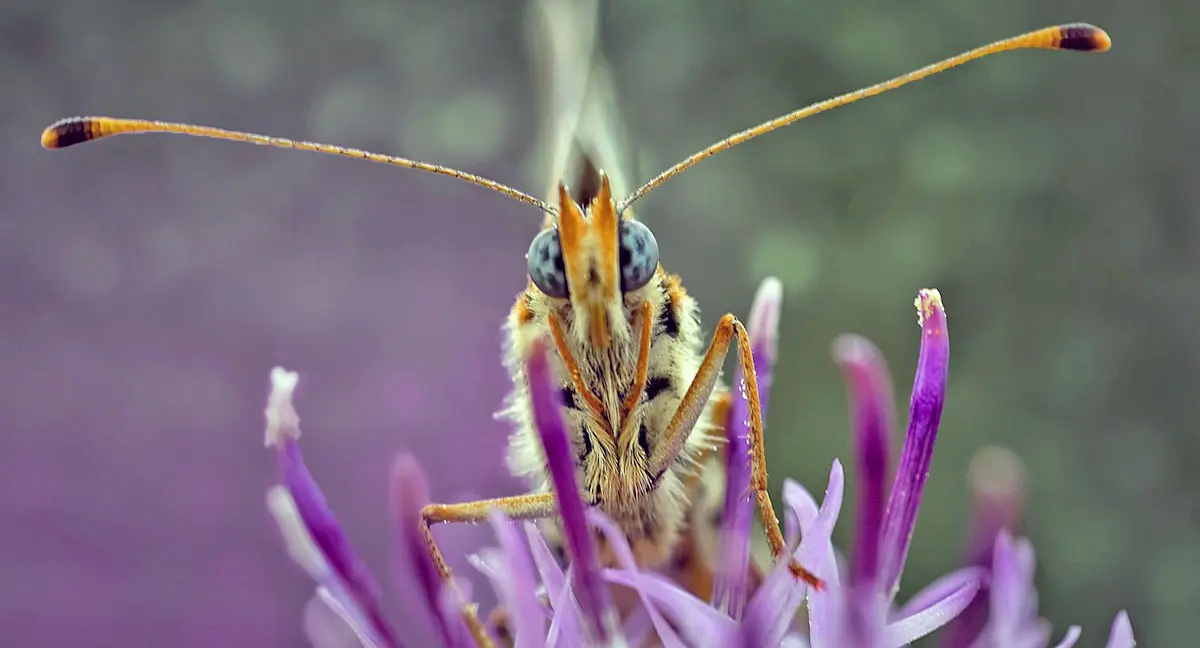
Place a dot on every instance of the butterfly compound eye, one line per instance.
(638, 255)
(546, 267)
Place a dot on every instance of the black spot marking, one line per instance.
(568, 398)
(644, 439)
(587, 446)
(669, 319)
(656, 479)
(656, 386)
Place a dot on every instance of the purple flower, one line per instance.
(547, 605)
(1008, 615)
(861, 613)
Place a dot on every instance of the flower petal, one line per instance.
(816, 549)
(941, 588)
(910, 628)
(698, 620)
(1009, 584)
(410, 494)
(566, 620)
(283, 431)
(588, 586)
(801, 510)
(620, 549)
(337, 598)
(997, 479)
(871, 406)
(1069, 640)
(329, 624)
(925, 413)
(305, 504)
(519, 585)
(1121, 635)
(729, 584)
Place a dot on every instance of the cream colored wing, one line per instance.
(583, 132)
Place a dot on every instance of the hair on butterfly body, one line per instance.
(640, 390)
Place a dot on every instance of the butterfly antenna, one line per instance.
(1080, 37)
(76, 130)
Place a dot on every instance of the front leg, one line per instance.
(688, 413)
(520, 507)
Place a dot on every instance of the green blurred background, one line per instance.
(1051, 197)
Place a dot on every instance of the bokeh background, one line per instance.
(150, 284)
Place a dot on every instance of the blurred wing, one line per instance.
(583, 131)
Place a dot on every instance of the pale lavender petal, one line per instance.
(794, 641)
(800, 512)
(329, 624)
(1121, 635)
(729, 584)
(865, 613)
(997, 479)
(322, 523)
(925, 413)
(566, 620)
(567, 623)
(308, 502)
(698, 620)
(488, 561)
(339, 601)
(410, 494)
(620, 549)
(908, 629)
(283, 432)
(816, 551)
(519, 586)
(588, 585)
(1072, 636)
(1013, 619)
(943, 587)
(871, 417)
(1009, 583)
(638, 627)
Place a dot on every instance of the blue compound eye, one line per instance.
(546, 267)
(638, 255)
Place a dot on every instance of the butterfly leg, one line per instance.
(519, 507)
(692, 406)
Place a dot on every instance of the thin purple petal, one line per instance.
(925, 413)
(321, 525)
(941, 588)
(588, 586)
(1010, 584)
(342, 608)
(870, 407)
(932, 617)
(410, 494)
(695, 618)
(816, 550)
(624, 555)
(566, 620)
(1121, 635)
(519, 584)
(997, 479)
(729, 585)
(800, 512)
